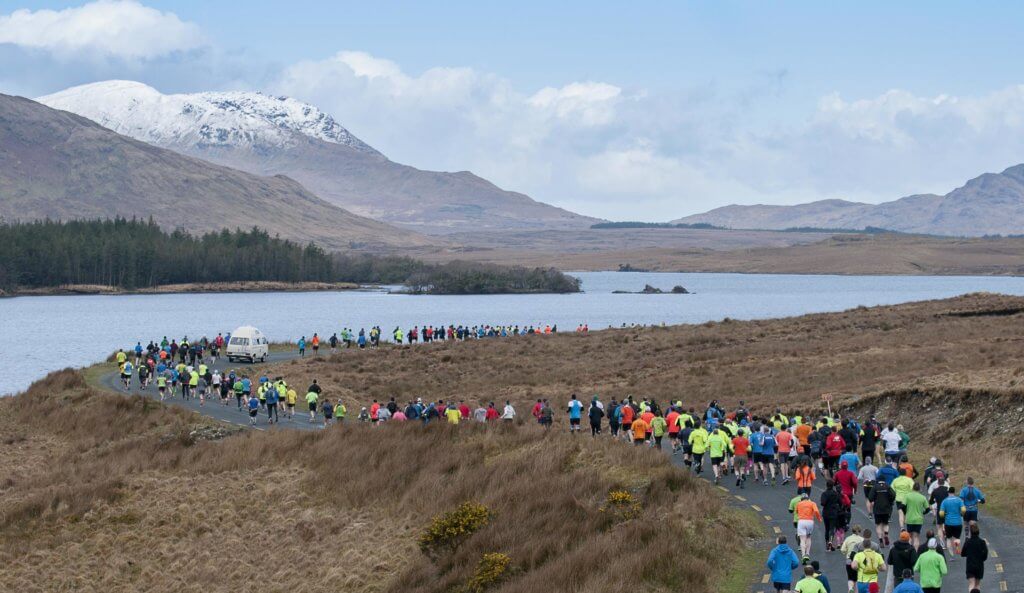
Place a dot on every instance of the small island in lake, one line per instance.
(648, 289)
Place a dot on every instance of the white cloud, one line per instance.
(598, 148)
(102, 29)
(588, 145)
(592, 102)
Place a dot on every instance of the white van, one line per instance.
(248, 343)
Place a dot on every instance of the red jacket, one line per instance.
(834, 445)
(847, 480)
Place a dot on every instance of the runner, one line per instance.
(851, 545)
(698, 441)
(902, 486)
(786, 444)
(595, 413)
(718, 446)
(807, 513)
(254, 409)
(882, 499)
(931, 565)
(804, 476)
(575, 410)
(831, 511)
(976, 552)
(126, 375)
(740, 449)
(972, 497)
(915, 505)
(658, 429)
(508, 414)
(952, 512)
(868, 563)
(640, 430)
(782, 561)
(312, 397)
(901, 559)
(302, 346)
(272, 398)
(767, 454)
(812, 581)
(328, 411)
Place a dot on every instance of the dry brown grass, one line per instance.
(131, 502)
(764, 252)
(787, 362)
(959, 357)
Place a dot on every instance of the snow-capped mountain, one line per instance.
(61, 166)
(237, 119)
(270, 136)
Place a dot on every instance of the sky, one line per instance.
(627, 111)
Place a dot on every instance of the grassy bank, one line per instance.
(175, 503)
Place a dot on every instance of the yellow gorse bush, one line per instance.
(491, 569)
(449, 529)
(622, 504)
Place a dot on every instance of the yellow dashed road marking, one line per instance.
(992, 553)
(1002, 586)
(740, 498)
(777, 530)
(767, 517)
(766, 578)
(723, 488)
(999, 568)
(756, 508)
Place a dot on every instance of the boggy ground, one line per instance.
(779, 362)
(114, 493)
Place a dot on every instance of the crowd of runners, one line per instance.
(919, 518)
(835, 455)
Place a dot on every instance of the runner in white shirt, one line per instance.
(891, 439)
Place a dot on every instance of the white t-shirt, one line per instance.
(892, 439)
(509, 412)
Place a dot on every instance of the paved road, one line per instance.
(213, 406)
(1006, 541)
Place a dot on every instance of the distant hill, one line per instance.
(991, 204)
(270, 135)
(55, 164)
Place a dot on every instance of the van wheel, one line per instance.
(263, 358)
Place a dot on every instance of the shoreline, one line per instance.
(189, 288)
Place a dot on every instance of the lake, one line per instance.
(42, 334)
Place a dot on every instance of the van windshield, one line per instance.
(239, 341)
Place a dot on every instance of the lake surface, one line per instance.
(42, 334)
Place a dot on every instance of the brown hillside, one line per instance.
(54, 164)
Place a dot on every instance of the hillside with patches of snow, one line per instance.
(269, 135)
(238, 119)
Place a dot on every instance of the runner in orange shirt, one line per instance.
(801, 432)
(785, 442)
(640, 431)
(806, 514)
(804, 478)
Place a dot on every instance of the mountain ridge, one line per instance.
(269, 135)
(55, 164)
(989, 204)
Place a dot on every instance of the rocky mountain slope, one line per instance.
(991, 204)
(55, 164)
(270, 135)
